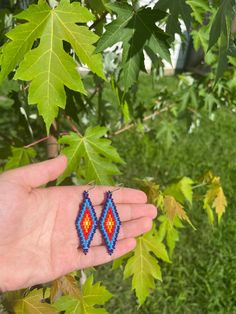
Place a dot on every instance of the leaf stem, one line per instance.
(199, 186)
(37, 142)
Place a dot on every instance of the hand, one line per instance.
(38, 239)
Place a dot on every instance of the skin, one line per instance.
(38, 239)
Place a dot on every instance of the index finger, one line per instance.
(98, 194)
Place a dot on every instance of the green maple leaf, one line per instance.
(222, 22)
(221, 32)
(199, 9)
(33, 304)
(144, 267)
(20, 157)
(116, 31)
(131, 65)
(169, 230)
(92, 294)
(48, 66)
(181, 190)
(177, 9)
(136, 30)
(91, 154)
(185, 185)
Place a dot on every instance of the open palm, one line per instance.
(38, 239)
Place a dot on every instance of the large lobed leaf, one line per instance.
(221, 33)
(136, 29)
(48, 66)
(92, 294)
(32, 304)
(177, 9)
(168, 230)
(174, 209)
(144, 267)
(91, 154)
(181, 190)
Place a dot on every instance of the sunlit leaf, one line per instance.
(92, 294)
(215, 198)
(33, 304)
(136, 30)
(143, 267)
(48, 66)
(181, 190)
(199, 9)
(174, 208)
(91, 154)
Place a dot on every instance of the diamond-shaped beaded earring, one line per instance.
(109, 223)
(86, 222)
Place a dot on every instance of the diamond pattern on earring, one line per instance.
(110, 223)
(86, 223)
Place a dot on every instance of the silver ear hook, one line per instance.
(119, 186)
(92, 183)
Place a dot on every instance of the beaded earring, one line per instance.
(109, 223)
(86, 222)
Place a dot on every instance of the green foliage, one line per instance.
(214, 198)
(5, 89)
(90, 155)
(20, 157)
(91, 294)
(143, 266)
(177, 9)
(169, 229)
(32, 303)
(199, 9)
(181, 190)
(202, 270)
(137, 30)
(48, 66)
(53, 53)
(221, 30)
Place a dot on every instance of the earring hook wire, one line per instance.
(92, 185)
(119, 186)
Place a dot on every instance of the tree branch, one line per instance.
(146, 118)
(72, 125)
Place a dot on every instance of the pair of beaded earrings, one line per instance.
(87, 223)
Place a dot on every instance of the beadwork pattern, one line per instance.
(109, 223)
(86, 223)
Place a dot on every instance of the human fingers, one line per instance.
(98, 255)
(130, 229)
(37, 174)
(73, 195)
(131, 211)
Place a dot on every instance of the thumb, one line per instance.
(38, 174)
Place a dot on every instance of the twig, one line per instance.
(36, 142)
(153, 115)
(72, 125)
